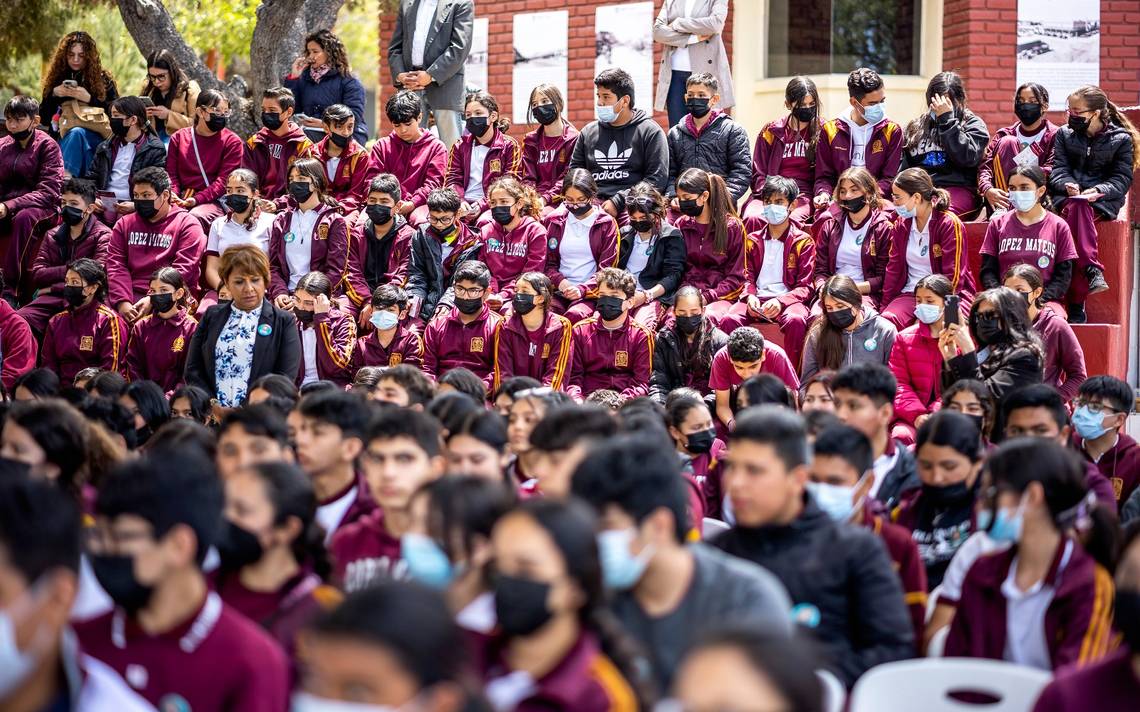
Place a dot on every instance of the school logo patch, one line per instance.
(476, 345)
(87, 343)
(173, 703)
(395, 359)
(1117, 487)
(553, 243)
(178, 345)
(877, 146)
(496, 166)
(546, 350)
(621, 359)
(323, 232)
(936, 250)
(791, 260)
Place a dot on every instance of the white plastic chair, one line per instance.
(925, 684)
(834, 693)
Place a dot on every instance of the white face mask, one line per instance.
(15, 664)
(304, 702)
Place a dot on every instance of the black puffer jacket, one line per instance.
(1103, 161)
(426, 273)
(151, 152)
(844, 589)
(669, 370)
(667, 261)
(1003, 372)
(722, 148)
(954, 151)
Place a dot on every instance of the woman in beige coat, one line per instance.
(175, 97)
(690, 31)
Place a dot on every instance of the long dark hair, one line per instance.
(540, 283)
(984, 396)
(312, 169)
(924, 127)
(173, 278)
(164, 59)
(795, 92)
(334, 48)
(61, 432)
(151, 402)
(828, 339)
(130, 106)
(644, 197)
(463, 507)
(1017, 331)
(95, 78)
(947, 428)
(1097, 101)
(291, 494)
(722, 209)
(696, 355)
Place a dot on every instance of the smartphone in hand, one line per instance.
(950, 314)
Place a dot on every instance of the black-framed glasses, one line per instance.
(157, 77)
(1096, 407)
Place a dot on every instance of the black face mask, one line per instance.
(468, 306)
(161, 303)
(216, 123)
(579, 211)
(979, 421)
(502, 214)
(854, 205)
(378, 214)
(948, 495)
(688, 324)
(520, 604)
(119, 127)
(146, 209)
(238, 547)
(116, 574)
(690, 207)
(1078, 123)
(699, 108)
(237, 203)
(271, 121)
(641, 226)
(338, 140)
(610, 307)
(804, 114)
(1126, 617)
(701, 442)
(841, 318)
(987, 331)
(523, 304)
(21, 136)
(300, 191)
(440, 232)
(545, 114)
(71, 215)
(477, 125)
(1027, 113)
(74, 296)
(305, 316)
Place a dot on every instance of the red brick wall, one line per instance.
(580, 79)
(980, 41)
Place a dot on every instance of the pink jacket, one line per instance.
(917, 365)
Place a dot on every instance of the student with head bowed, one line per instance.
(746, 354)
(414, 155)
(134, 144)
(787, 147)
(328, 334)
(75, 82)
(173, 95)
(683, 353)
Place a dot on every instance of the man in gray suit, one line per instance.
(429, 46)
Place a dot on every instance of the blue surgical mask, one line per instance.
(1006, 528)
(1023, 200)
(874, 113)
(384, 320)
(605, 114)
(1089, 425)
(621, 570)
(904, 212)
(774, 214)
(834, 500)
(927, 313)
(427, 561)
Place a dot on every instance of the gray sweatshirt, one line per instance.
(870, 341)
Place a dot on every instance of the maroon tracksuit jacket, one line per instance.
(1064, 358)
(504, 157)
(1078, 621)
(717, 275)
(875, 249)
(1120, 465)
(350, 183)
(271, 156)
(30, 177)
(947, 255)
(419, 166)
(772, 144)
(509, 254)
(364, 552)
(220, 155)
(545, 160)
(799, 263)
(18, 346)
(833, 154)
(406, 347)
(356, 284)
(619, 360)
(91, 336)
(336, 337)
(604, 242)
(544, 354)
(329, 251)
(57, 250)
(998, 164)
(137, 248)
(157, 349)
(449, 343)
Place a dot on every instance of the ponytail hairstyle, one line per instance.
(916, 180)
(722, 209)
(678, 405)
(488, 102)
(312, 169)
(540, 283)
(1017, 463)
(171, 276)
(1017, 331)
(291, 494)
(697, 355)
(830, 344)
(525, 196)
(645, 198)
(798, 89)
(133, 106)
(250, 180)
(316, 283)
(924, 127)
(863, 180)
(581, 180)
(1035, 174)
(1098, 101)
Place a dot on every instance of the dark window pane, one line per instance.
(836, 36)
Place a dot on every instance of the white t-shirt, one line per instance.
(225, 233)
(849, 255)
(578, 263)
(120, 182)
(681, 61)
(770, 281)
(330, 515)
(1025, 642)
(331, 166)
(639, 256)
(917, 255)
(309, 352)
(880, 468)
(474, 190)
(860, 137)
(299, 244)
(425, 15)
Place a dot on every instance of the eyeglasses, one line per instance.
(157, 77)
(1096, 408)
(441, 222)
(540, 392)
(219, 114)
(473, 293)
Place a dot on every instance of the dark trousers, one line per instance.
(675, 101)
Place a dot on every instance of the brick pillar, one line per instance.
(980, 43)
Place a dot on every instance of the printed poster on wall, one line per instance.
(1058, 45)
(541, 56)
(625, 39)
(475, 68)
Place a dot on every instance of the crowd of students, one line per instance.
(497, 426)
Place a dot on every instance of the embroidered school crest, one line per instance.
(395, 359)
(476, 345)
(496, 166)
(936, 250)
(877, 146)
(791, 260)
(562, 156)
(178, 345)
(546, 350)
(323, 232)
(621, 359)
(86, 343)
(1117, 487)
